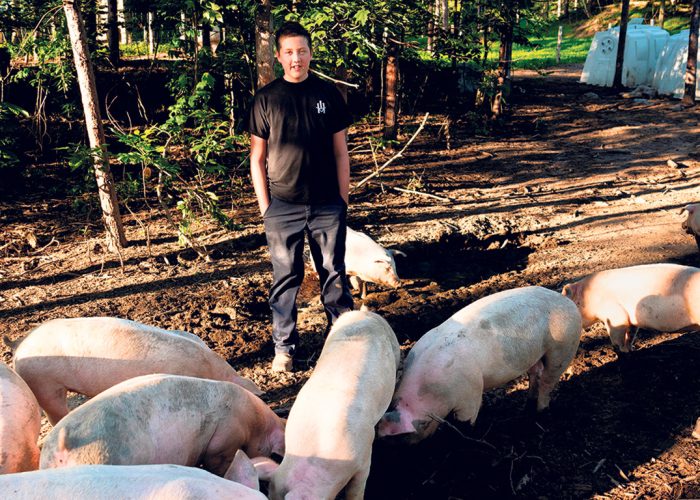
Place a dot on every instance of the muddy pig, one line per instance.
(109, 482)
(89, 355)
(368, 261)
(160, 418)
(331, 424)
(484, 345)
(662, 297)
(691, 224)
(20, 421)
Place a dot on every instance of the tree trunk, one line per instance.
(619, 61)
(121, 23)
(112, 33)
(93, 123)
(662, 13)
(391, 85)
(263, 46)
(150, 38)
(431, 29)
(206, 36)
(691, 69)
(445, 15)
(503, 81)
(341, 71)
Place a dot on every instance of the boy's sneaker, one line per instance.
(283, 362)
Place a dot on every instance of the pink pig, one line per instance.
(156, 419)
(20, 421)
(366, 261)
(110, 482)
(89, 355)
(484, 345)
(691, 224)
(331, 424)
(662, 297)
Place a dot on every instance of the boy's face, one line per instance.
(294, 55)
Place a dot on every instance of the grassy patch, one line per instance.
(577, 36)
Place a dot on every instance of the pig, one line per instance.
(20, 422)
(484, 345)
(368, 261)
(691, 224)
(89, 355)
(162, 418)
(662, 297)
(109, 482)
(331, 424)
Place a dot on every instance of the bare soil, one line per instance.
(571, 184)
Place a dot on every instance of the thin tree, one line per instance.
(662, 12)
(619, 61)
(391, 84)
(692, 67)
(112, 33)
(93, 123)
(263, 46)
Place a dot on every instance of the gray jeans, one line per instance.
(325, 227)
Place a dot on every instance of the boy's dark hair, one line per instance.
(291, 28)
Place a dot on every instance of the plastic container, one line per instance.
(669, 74)
(643, 45)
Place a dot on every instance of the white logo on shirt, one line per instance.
(321, 107)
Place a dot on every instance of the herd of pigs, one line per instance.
(170, 419)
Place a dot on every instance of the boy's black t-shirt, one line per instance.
(298, 121)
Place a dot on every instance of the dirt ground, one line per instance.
(574, 183)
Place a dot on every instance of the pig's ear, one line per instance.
(264, 467)
(685, 209)
(396, 252)
(567, 291)
(242, 470)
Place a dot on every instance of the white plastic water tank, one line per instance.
(669, 75)
(642, 47)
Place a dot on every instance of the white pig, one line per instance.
(662, 297)
(484, 345)
(135, 482)
(331, 424)
(368, 261)
(165, 419)
(20, 421)
(89, 355)
(691, 224)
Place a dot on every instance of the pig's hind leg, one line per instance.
(52, 399)
(547, 372)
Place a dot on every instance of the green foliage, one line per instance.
(196, 130)
(9, 121)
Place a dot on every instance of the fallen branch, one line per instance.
(353, 85)
(421, 193)
(390, 160)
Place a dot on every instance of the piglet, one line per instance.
(331, 424)
(662, 297)
(20, 421)
(89, 355)
(136, 482)
(368, 261)
(691, 224)
(484, 345)
(157, 419)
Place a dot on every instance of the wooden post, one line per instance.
(93, 124)
(559, 34)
